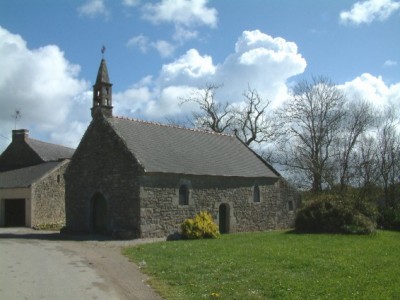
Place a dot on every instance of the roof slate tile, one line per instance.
(25, 177)
(171, 149)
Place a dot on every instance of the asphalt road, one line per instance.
(44, 265)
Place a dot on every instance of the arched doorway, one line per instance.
(99, 214)
(223, 216)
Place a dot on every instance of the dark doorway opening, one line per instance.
(100, 214)
(223, 215)
(14, 212)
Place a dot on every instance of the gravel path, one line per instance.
(47, 265)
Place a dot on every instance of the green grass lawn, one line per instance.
(275, 265)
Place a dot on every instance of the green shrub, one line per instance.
(201, 226)
(389, 218)
(336, 214)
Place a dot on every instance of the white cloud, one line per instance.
(369, 11)
(263, 62)
(40, 82)
(183, 34)
(188, 66)
(131, 3)
(390, 63)
(168, 103)
(259, 60)
(374, 90)
(132, 101)
(93, 8)
(183, 12)
(140, 41)
(164, 48)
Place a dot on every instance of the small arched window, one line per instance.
(256, 194)
(183, 195)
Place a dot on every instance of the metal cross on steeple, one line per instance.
(103, 49)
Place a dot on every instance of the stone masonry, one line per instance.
(48, 199)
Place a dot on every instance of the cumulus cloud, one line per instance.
(259, 60)
(374, 90)
(189, 66)
(185, 15)
(369, 11)
(168, 103)
(183, 12)
(94, 8)
(263, 62)
(41, 83)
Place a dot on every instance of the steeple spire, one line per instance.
(102, 91)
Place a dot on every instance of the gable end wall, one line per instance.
(17, 155)
(48, 199)
(102, 164)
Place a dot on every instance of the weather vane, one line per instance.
(103, 49)
(16, 117)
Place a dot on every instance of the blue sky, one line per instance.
(159, 51)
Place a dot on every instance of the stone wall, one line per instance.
(161, 214)
(48, 198)
(102, 165)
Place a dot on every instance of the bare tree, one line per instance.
(365, 163)
(311, 120)
(357, 119)
(388, 154)
(252, 121)
(212, 115)
(249, 119)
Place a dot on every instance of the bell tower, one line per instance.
(102, 91)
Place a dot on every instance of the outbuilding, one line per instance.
(32, 191)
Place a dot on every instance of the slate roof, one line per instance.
(170, 149)
(25, 177)
(50, 152)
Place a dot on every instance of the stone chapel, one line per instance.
(132, 178)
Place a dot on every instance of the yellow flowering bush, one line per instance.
(199, 227)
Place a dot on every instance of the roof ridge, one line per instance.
(173, 126)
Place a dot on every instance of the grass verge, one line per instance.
(275, 265)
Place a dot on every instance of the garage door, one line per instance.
(14, 212)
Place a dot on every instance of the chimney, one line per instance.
(20, 135)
